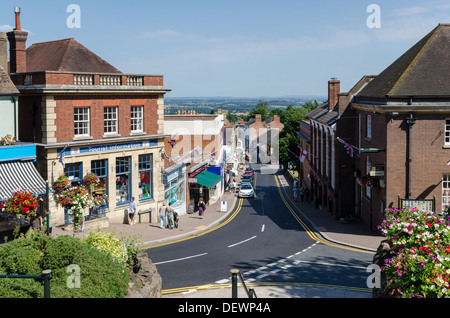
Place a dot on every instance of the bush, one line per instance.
(421, 264)
(100, 275)
(59, 252)
(107, 243)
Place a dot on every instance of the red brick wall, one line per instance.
(429, 158)
(186, 143)
(65, 114)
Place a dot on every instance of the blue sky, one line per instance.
(245, 48)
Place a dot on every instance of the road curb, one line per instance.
(315, 227)
(150, 244)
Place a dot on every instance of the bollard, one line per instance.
(47, 276)
(234, 283)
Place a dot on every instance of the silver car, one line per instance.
(246, 190)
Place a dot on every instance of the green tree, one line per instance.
(261, 108)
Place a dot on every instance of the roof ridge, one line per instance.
(52, 41)
(64, 55)
(428, 37)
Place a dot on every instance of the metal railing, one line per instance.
(235, 274)
(46, 277)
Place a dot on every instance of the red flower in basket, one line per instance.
(22, 203)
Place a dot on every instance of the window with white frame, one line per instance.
(110, 120)
(447, 132)
(369, 127)
(137, 118)
(445, 191)
(81, 121)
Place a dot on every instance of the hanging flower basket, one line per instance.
(22, 204)
(61, 183)
(76, 200)
(90, 178)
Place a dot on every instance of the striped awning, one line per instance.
(23, 175)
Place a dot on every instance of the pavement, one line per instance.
(351, 234)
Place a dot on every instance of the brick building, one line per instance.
(305, 157)
(328, 169)
(99, 119)
(401, 126)
(195, 165)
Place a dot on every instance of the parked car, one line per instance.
(247, 178)
(246, 190)
(249, 171)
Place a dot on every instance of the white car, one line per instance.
(246, 190)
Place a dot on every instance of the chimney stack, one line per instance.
(17, 11)
(334, 88)
(17, 47)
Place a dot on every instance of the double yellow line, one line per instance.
(305, 226)
(263, 284)
(238, 209)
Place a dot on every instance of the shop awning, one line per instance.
(208, 179)
(20, 175)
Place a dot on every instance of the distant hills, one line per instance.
(234, 105)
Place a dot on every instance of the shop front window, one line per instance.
(123, 190)
(73, 171)
(100, 168)
(175, 191)
(145, 176)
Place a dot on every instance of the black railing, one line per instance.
(235, 274)
(46, 277)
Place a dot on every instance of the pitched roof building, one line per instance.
(401, 122)
(82, 109)
(67, 55)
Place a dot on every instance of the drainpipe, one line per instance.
(410, 121)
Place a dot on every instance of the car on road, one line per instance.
(246, 190)
(249, 171)
(247, 178)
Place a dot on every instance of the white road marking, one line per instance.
(263, 227)
(242, 241)
(180, 259)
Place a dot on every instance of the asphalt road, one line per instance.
(267, 243)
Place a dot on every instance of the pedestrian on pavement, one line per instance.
(302, 193)
(231, 185)
(201, 207)
(170, 216)
(162, 215)
(132, 211)
(307, 194)
(295, 194)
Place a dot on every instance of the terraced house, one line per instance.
(82, 109)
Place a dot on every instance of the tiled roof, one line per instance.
(65, 55)
(421, 71)
(323, 115)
